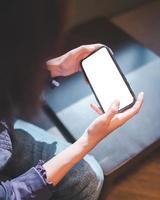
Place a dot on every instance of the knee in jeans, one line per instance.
(83, 182)
(91, 179)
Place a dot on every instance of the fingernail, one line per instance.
(141, 94)
(116, 104)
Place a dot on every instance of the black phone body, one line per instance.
(107, 80)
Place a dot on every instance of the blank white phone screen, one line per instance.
(106, 80)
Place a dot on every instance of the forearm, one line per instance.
(57, 167)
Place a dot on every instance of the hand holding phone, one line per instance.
(107, 80)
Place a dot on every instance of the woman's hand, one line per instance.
(69, 63)
(108, 122)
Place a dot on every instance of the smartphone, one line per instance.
(107, 80)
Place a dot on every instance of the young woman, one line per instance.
(48, 169)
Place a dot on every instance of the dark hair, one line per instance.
(30, 31)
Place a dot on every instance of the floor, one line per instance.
(143, 182)
(143, 24)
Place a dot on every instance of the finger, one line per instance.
(85, 50)
(106, 118)
(93, 47)
(128, 114)
(96, 108)
(136, 107)
(112, 111)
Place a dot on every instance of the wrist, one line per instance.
(87, 142)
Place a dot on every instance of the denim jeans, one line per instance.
(31, 144)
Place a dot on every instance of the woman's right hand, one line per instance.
(108, 122)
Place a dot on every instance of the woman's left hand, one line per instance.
(69, 63)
